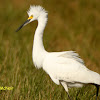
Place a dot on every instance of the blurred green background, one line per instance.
(72, 25)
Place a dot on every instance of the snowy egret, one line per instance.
(65, 68)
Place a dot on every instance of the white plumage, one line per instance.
(65, 67)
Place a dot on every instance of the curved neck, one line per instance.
(39, 52)
(38, 37)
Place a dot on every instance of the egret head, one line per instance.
(34, 13)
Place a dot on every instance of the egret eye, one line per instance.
(31, 15)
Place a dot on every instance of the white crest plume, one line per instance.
(36, 11)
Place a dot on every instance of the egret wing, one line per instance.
(68, 67)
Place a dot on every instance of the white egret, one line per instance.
(65, 68)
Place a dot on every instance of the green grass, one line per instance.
(72, 25)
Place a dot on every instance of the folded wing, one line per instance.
(67, 66)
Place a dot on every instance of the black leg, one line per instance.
(68, 96)
(97, 86)
(64, 84)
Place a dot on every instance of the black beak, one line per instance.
(25, 23)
